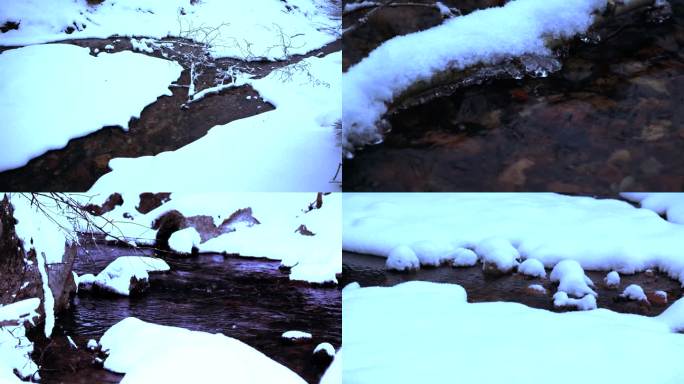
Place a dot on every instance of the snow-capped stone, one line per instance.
(634, 292)
(295, 336)
(431, 253)
(532, 267)
(612, 279)
(402, 258)
(571, 279)
(323, 354)
(498, 256)
(561, 299)
(462, 257)
(92, 344)
(128, 274)
(536, 290)
(185, 241)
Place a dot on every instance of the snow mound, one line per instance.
(185, 240)
(476, 341)
(75, 94)
(600, 234)
(498, 252)
(673, 316)
(151, 353)
(431, 253)
(462, 257)
(537, 288)
(586, 303)
(571, 279)
(402, 258)
(612, 279)
(634, 292)
(117, 276)
(487, 36)
(668, 203)
(296, 335)
(532, 267)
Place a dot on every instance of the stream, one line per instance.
(247, 299)
(369, 270)
(609, 120)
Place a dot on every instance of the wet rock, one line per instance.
(114, 200)
(651, 166)
(657, 298)
(491, 269)
(520, 95)
(514, 174)
(655, 131)
(620, 156)
(628, 68)
(652, 84)
(150, 201)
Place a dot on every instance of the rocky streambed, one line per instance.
(249, 299)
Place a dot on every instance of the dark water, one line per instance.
(248, 299)
(370, 271)
(609, 120)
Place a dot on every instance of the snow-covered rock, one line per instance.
(571, 279)
(185, 241)
(561, 299)
(92, 344)
(86, 281)
(498, 256)
(296, 336)
(634, 292)
(402, 258)
(612, 279)
(431, 253)
(147, 352)
(462, 257)
(129, 274)
(532, 267)
(323, 354)
(71, 107)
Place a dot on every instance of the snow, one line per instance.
(462, 257)
(422, 332)
(15, 347)
(75, 94)
(612, 279)
(431, 254)
(571, 279)
(92, 344)
(252, 30)
(295, 335)
(673, 316)
(185, 240)
(315, 259)
(71, 342)
(292, 148)
(499, 252)
(532, 267)
(600, 234)
(148, 352)
(326, 347)
(333, 375)
(538, 288)
(402, 258)
(586, 303)
(116, 277)
(486, 36)
(86, 281)
(634, 292)
(667, 203)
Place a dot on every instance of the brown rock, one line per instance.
(658, 298)
(514, 174)
(150, 201)
(112, 201)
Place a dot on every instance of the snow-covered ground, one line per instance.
(420, 332)
(664, 203)
(148, 352)
(53, 93)
(483, 37)
(292, 148)
(256, 29)
(314, 258)
(599, 234)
